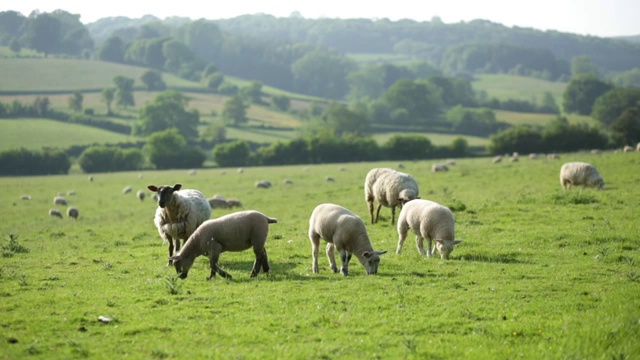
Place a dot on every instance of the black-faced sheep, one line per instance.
(127, 189)
(218, 203)
(390, 188)
(55, 213)
(344, 231)
(234, 232)
(580, 173)
(428, 220)
(59, 200)
(263, 184)
(141, 195)
(73, 212)
(234, 203)
(179, 213)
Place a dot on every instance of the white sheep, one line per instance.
(497, 159)
(90, 178)
(329, 179)
(59, 200)
(234, 232)
(580, 173)
(390, 188)
(344, 231)
(127, 189)
(627, 148)
(263, 184)
(451, 162)
(428, 220)
(287, 182)
(55, 213)
(141, 195)
(25, 197)
(533, 156)
(596, 151)
(638, 147)
(73, 212)
(179, 213)
(439, 167)
(553, 156)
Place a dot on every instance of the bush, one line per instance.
(104, 158)
(34, 162)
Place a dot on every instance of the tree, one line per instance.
(420, 99)
(214, 81)
(168, 149)
(411, 147)
(561, 136)
(626, 129)
(281, 102)
(235, 111)
(166, 111)
(124, 91)
(107, 158)
(459, 146)
(253, 92)
(15, 46)
(153, 80)
(344, 121)
(108, 94)
(112, 50)
(44, 34)
(581, 65)
(520, 139)
(323, 74)
(610, 106)
(234, 153)
(75, 101)
(582, 92)
(41, 105)
(176, 53)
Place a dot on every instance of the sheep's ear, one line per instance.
(456, 242)
(177, 187)
(380, 252)
(367, 254)
(152, 188)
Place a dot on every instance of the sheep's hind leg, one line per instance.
(261, 261)
(332, 257)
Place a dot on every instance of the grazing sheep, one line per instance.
(179, 213)
(329, 179)
(25, 197)
(240, 170)
(71, 192)
(90, 178)
(533, 156)
(263, 184)
(428, 220)
(73, 212)
(344, 231)
(580, 173)
(400, 166)
(59, 200)
(234, 232)
(141, 195)
(553, 156)
(390, 188)
(287, 181)
(55, 213)
(234, 203)
(140, 176)
(497, 159)
(192, 172)
(127, 189)
(439, 167)
(627, 148)
(596, 151)
(155, 197)
(638, 147)
(451, 162)
(513, 159)
(218, 203)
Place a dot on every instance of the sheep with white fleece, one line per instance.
(344, 231)
(428, 220)
(580, 173)
(179, 213)
(233, 232)
(390, 188)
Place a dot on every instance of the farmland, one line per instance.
(541, 274)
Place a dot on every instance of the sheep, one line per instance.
(580, 173)
(234, 203)
(192, 172)
(73, 212)
(141, 195)
(344, 231)
(234, 232)
(127, 189)
(439, 167)
(497, 159)
(55, 213)
(627, 148)
(638, 147)
(553, 156)
(59, 200)
(390, 188)
(179, 213)
(596, 151)
(287, 181)
(263, 184)
(217, 203)
(90, 178)
(428, 220)
(25, 197)
(533, 156)
(240, 170)
(329, 179)
(71, 192)
(451, 162)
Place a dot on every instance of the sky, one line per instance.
(585, 17)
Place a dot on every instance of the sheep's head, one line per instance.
(182, 265)
(372, 260)
(165, 193)
(445, 247)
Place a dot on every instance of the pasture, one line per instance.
(541, 274)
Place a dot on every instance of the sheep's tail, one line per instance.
(271, 220)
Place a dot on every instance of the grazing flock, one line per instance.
(185, 214)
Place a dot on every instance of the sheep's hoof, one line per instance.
(334, 269)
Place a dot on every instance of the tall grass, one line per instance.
(535, 278)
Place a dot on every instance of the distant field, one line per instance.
(505, 87)
(435, 138)
(37, 133)
(516, 118)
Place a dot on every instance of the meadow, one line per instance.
(542, 273)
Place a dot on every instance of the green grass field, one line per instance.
(503, 87)
(541, 274)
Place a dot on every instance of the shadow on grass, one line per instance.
(497, 258)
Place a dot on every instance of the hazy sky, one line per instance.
(586, 17)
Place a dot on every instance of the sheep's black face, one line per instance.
(182, 266)
(372, 261)
(165, 193)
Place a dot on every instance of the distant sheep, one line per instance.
(497, 159)
(428, 220)
(55, 213)
(234, 232)
(71, 192)
(533, 156)
(287, 181)
(127, 189)
(400, 166)
(263, 184)
(553, 156)
(344, 231)
(179, 213)
(73, 212)
(192, 172)
(90, 178)
(451, 162)
(329, 179)
(638, 147)
(59, 200)
(627, 148)
(218, 203)
(240, 170)
(141, 195)
(390, 188)
(234, 203)
(25, 197)
(596, 152)
(580, 173)
(439, 167)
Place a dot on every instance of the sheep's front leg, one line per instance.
(430, 249)
(378, 212)
(344, 257)
(393, 214)
(420, 245)
(315, 248)
(332, 257)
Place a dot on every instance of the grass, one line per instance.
(503, 87)
(37, 133)
(541, 274)
(436, 138)
(517, 118)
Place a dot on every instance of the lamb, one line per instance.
(55, 213)
(344, 231)
(428, 220)
(141, 195)
(390, 188)
(179, 213)
(580, 173)
(59, 200)
(73, 212)
(234, 232)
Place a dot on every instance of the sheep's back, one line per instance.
(428, 218)
(390, 186)
(329, 219)
(235, 231)
(580, 173)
